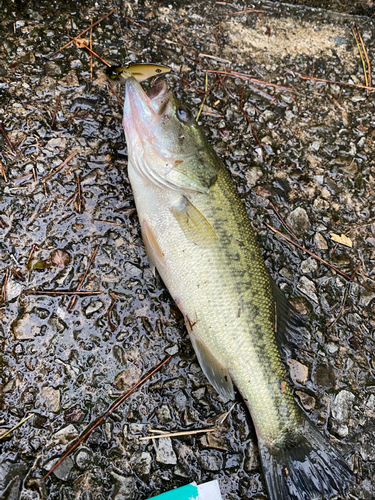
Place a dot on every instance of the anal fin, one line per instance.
(216, 373)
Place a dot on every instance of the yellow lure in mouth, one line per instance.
(140, 71)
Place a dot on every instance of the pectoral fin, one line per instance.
(216, 373)
(154, 252)
(193, 223)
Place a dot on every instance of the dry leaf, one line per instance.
(344, 240)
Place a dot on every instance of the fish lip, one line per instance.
(153, 101)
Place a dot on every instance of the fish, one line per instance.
(199, 237)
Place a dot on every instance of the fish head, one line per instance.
(165, 143)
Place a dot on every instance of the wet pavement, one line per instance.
(315, 164)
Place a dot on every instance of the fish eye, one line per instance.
(185, 115)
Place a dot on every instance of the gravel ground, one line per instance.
(315, 164)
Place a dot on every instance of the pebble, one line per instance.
(93, 307)
(324, 377)
(84, 459)
(252, 461)
(66, 434)
(342, 406)
(299, 221)
(211, 462)
(308, 402)
(14, 289)
(298, 372)
(164, 414)
(62, 471)
(25, 327)
(320, 242)
(309, 265)
(164, 451)
(253, 175)
(50, 398)
(125, 487)
(52, 69)
(141, 463)
(307, 287)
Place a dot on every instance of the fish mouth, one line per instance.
(145, 105)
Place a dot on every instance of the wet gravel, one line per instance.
(67, 365)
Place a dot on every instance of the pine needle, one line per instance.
(204, 98)
(17, 425)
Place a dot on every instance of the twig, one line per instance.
(204, 98)
(73, 301)
(215, 58)
(346, 276)
(17, 425)
(55, 112)
(5, 285)
(115, 405)
(2, 171)
(288, 228)
(91, 51)
(216, 37)
(111, 325)
(108, 222)
(73, 197)
(117, 96)
(57, 169)
(235, 74)
(79, 196)
(87, 29)
(17, 275)
(61, 292)
(357, 85)
(81, 43)
(6, 137)
(176, 434)
(366, 56)
(241, 12)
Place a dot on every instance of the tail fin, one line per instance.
(304, 467)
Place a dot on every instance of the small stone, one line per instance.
(199, 393)
(164, 414)
(56, 142)
(307, 287)
(211, 462)
(164, 451)
(84, 459)
(141, 463)
(298, 372)
(324, 377)
(50, 398)
(25, 327)
(366, 296)
(342, 406)
(66, 434)
(93, 307)
(299, 221)
(286, 273)
(315, 146)
(172, 350)
(52, 69)
(128, 377)
(62, 471)
(332, 348)
(308, 402)
(253, 175)
(125, 487)
(252, 461)
(70, 80)
(320, 242)
(309, 265)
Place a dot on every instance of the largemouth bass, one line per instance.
(199, 237)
